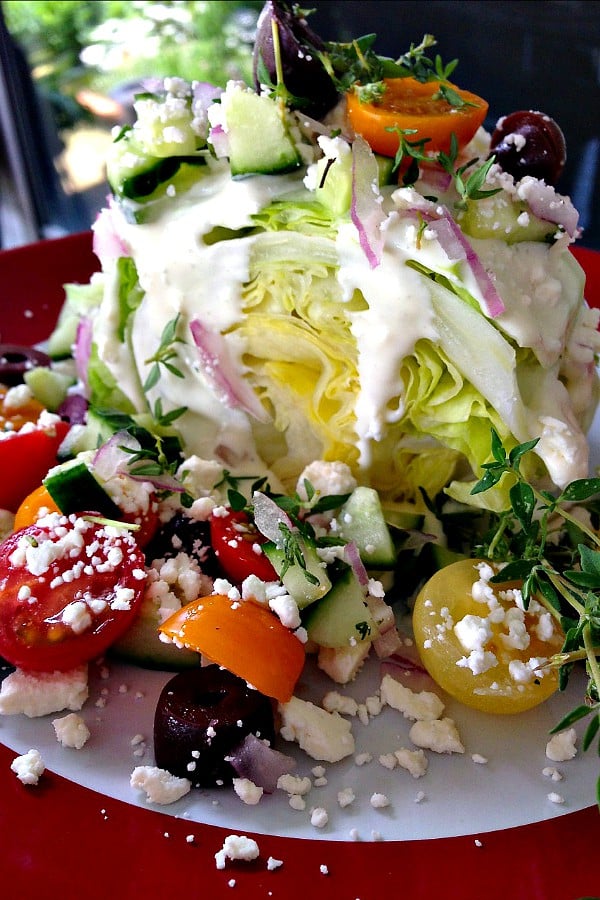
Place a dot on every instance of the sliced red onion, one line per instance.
(261, 764)
(387, 643)
(366, 210)
(547, 205)
(434, 180)
(106, 242)
(409, 673)
(82, 349)
(493, 303)
(219, 139)
(220, 373)
(311, 126)
(268, 517)
(205, 94)
(110, 459)
(353, 559)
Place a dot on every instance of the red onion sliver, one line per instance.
(412, 675)
(549, 206)
(268, 516)
(255, 760)
(366, 209)
(82, 349)
(353, 559)
(106, 242)
(494, 305)
(219, 371)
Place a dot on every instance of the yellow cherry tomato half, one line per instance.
(485, 652)
(416, 106)
(244, 638)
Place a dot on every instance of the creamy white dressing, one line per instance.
(399, 314)
(182, 273)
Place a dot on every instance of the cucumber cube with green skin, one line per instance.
(258, 135)
(361, 520)
(342, 618)
(502, 218)
(302, 589)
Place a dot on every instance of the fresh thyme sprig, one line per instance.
(164, 354)
(572, 595)
(468, 187)
(355, 65)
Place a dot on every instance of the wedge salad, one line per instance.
(327, 398)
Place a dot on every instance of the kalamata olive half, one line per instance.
(529, 143)
(201, 716)
(304, 75)
(16, 360)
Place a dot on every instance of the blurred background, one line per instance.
(69, 71)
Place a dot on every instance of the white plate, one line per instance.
(508, 790)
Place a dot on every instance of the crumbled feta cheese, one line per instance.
(323, 735)
(159, 785)
(336, 702)
(343, 664)
(38, 694)
(237, 847)
(327, 478)
(414, 761)
(319, 817)
(247, 791)
(439, 735)
(379, 801)
(294, 784)
(562, 746)
(71, 731)
(345, 797)
(422, 705)
(29, 767)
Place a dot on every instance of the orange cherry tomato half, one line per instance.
(244, 638)
(37, 503)
(412, 105)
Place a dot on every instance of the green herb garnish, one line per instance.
(570, 593)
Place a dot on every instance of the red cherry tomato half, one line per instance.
(236, 542)
(148, 522)
(68, 590)
(24, 461)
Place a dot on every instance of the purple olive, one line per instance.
(16, 360)
(529, 143)
(304, 75)
(202, 716)
(74, 409)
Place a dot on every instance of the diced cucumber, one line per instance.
(302, 589)
(387, 175)
(142, 646)
(75, 489)
(48, 386)
(80, 300)
(502, 218)
(136, 175)
(342, 617)
(361, 520)
(334, 182)
(258, 132)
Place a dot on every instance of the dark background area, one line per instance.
(540, 54)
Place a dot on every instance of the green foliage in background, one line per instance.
(100, 44)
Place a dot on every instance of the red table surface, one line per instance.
(62, 840)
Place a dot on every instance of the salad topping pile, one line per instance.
(334, 376)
